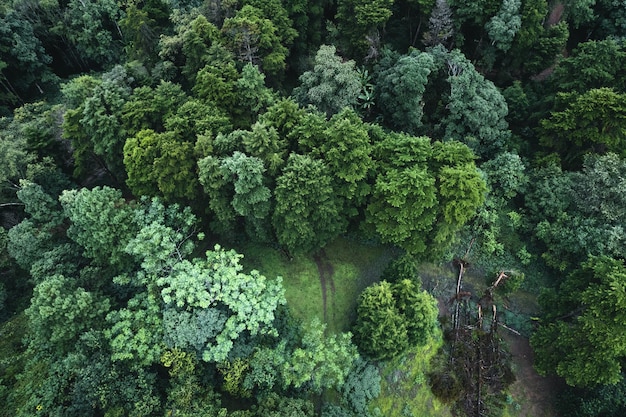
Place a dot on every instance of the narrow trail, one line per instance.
(326, 272)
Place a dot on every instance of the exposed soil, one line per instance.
(534, 394)
(326, 271)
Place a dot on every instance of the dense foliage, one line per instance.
(141, 139)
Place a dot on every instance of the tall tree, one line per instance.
(592, 122)
(160, 164)
(476, 109)
(331, 85)
(307, 215)
(400, 89)
(255, 39)
(503, 27)
(581, 339)
(358, 18)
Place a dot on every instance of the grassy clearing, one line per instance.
(404, 387)
(355, 266)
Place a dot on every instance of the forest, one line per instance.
(334, 208)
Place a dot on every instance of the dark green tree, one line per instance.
(580, 339)
(400, 88)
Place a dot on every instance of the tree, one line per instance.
(582, 342)
(403, 207)
(306, 215)
(503, 27)
(380, 330)
(322, 361)
(572, 227)
(592, 122)
(400, 89)
(160, 164)
(345, 148)
(101, 223)
(92, 28)
(331, 85)
(264, 143)
(60, 313)
(476, 108)
(148, 108)
(252, 197)
(24, 71)
(592, 65)
(440, 27)
(255, 39)
(248, 300)
(358, 18)
(95, 126)
(142, 24)
(252, 95)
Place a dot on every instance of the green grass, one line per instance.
(355, 267)
(404, 387)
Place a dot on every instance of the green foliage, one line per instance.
(582, 343)
(136, 332)
(403, 207)
(60, 313)
(147, 107)
(331, 85)
(195, 118)
(252, 197)
(571, 227)
(604, 400)
(101, 118)
(321, 361)
(503, 27)
(419, 310)
(476, 109)
(254, 39)
(358, 18)
(390, 318)
(591, 122)
(250, 301)
(506, 176)
(401, 268)
(102, 223)
(362, 385)
(252, 95)
(160, 164)
(415, 202)
(264, 142)
(306, 216)
(215, 85)
(345, 148)
(24, 71)
(400, 89)
(277, 406)
(592, 65)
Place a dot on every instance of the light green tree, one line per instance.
(331, 85)
(321, 362)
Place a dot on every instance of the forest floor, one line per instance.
(533, 394)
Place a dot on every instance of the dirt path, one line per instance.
(326, 271)
(534, 393)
